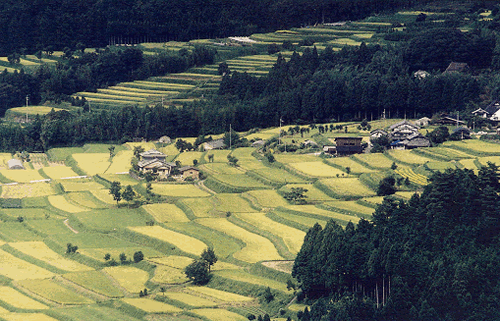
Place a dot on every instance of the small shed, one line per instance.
(189, 171)
(15, 164)
(165, 140)
(310, 143)
(422, 122)
(214, 144)
(258, 143)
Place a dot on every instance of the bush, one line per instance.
(138, 256)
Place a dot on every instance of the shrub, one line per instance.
(138, 256)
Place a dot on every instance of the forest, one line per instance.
(30, 26)
(433, 257)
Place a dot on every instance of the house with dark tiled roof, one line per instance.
(457, 67)
(348, 145)
(402, 130)
(189, 171)
(154, 161)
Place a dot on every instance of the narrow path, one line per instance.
(67, 225)
(203, 187)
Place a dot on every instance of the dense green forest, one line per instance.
(29, 26)
(434, 257)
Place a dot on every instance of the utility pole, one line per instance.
(279, 140)
(27, 103)
(230, 136)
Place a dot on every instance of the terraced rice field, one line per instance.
(266, 198)
(350, 206)
(103, 195)
(178, 190)
(191, 300)
(22, 175)
(92, 163)
(60, 202)
(19, 300)
(313, 194)
(474, 146)
(469, 164)
(95, 281)
(288, 159)
(183, 242)
(231, 203)
(440, 166)
(31, 110)
(317, 169)
(325, 214)
(130, 278)
(239, 181)
(54, 292)
(186, 158)
(378, 161)
(151, 306)
(243, 276)
(84, 200)
(199, 207)
(408, 172)
(17, 269)
(279, 176)
(292, 237)
(218, 315)
(14, 232)
(257, 247)
(42, 252)
(347, 187)
(169, 275)
(26, 317)
(120, 163)
(58, 172)
(346, 162)
(166, 213)
(406, 156)
(219, 295)
(221, 168)
(78, 185)
(492, 159)
(175, 261)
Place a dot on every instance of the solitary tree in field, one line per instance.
(111, 151)
(296, 195)
(233, 161)
(198, 272)
(115, 190)
(209, 256)
(128, 194)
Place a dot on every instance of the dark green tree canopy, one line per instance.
(434, 257)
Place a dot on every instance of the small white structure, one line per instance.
(422, 122)
(15, 164)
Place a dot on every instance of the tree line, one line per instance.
(430, 258)
(30, 26)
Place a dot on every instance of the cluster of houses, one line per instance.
(403, 135)
(155, 161)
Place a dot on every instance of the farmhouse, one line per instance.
(154, 161)
(402, 130)
(445, 119)
(189, 171)
(15, 164)
(348, 145)
(377, 133)
(457, 67)
(153, 154)
(415, 140)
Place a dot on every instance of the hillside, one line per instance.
(239, 211)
